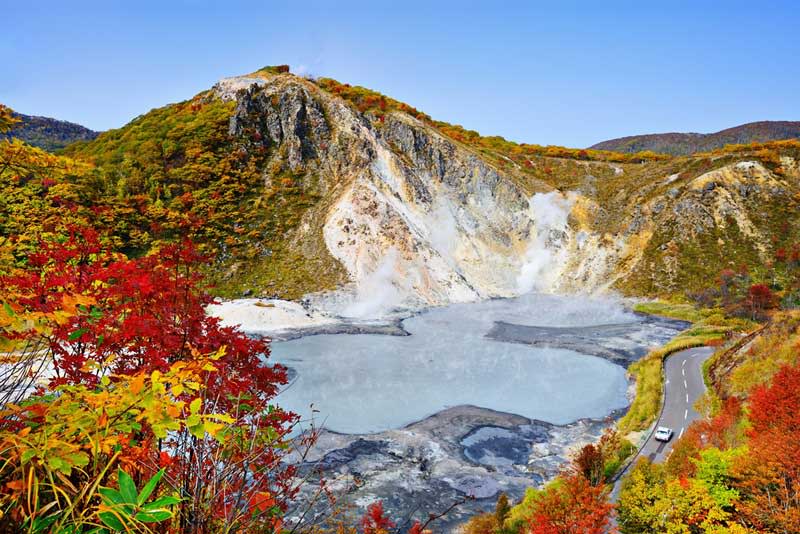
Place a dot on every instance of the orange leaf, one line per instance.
(137, 384)
(16, 485)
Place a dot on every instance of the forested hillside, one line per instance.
(681, 144)
(46, 133)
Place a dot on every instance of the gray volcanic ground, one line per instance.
(479, 398)
(622, 344)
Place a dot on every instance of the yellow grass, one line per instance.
(709, 327)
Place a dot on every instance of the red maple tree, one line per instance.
(769, 475)
(127, 316)
(574, 505)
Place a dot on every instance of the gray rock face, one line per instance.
(460, 170)
(405, 207)
(291, 118)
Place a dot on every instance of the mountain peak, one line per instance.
(226, 88)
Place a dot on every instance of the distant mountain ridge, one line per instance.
(682, 144)
(47, 133)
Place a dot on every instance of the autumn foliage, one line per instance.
(776, 284)
(144, 379)
(7, 118)
(375, 520)
(768, 477)
(572, 505)
(596, 462)
(738, 471)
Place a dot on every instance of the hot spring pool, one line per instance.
(370, 383)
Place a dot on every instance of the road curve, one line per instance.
(683, 386)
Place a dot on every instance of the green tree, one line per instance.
(502, 508)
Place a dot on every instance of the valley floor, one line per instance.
(461, 451)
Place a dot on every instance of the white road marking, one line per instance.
(685, 386)
(686, 413)
(683, 371)
(687, 398)
(683, 364)
(681, 434)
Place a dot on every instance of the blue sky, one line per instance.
(567, 73)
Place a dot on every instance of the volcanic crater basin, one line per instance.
(546, 357)
(480, 398)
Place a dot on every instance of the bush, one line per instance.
(140, 378)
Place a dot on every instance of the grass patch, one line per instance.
(673, 310)
(709, 327)
(618, 458)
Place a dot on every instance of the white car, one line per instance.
(663, 433)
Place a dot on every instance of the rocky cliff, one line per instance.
(394, 209)
(416, 216)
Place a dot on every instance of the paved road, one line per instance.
(684, 384)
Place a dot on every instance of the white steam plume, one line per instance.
(443, 229)
(377, 293)
(549, 212)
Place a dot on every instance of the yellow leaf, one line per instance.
(212, 428)
(62, 317)
(70, 301)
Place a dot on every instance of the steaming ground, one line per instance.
(546, 251)
(365, 383)
(419, 421)
(470, 398)
(448, 265)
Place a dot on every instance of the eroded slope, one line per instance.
(314, 185)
